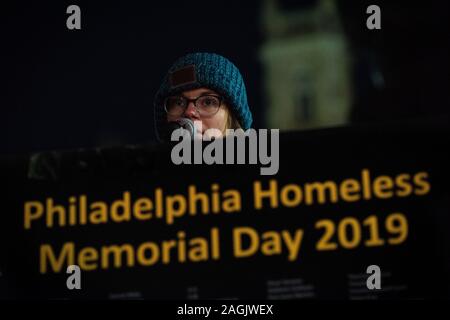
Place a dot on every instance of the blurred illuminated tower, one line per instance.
(306, 65)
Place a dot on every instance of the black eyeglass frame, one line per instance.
(188, 101)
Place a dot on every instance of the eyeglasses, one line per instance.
(206, 105)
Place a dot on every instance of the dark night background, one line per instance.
(94, 87)
(74, 89)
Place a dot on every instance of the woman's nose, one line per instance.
(191, 111)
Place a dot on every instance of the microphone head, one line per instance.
(184, 123)
(187, 124)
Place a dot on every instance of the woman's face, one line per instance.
(217, 121)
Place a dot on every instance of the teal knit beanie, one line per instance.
(209, 70)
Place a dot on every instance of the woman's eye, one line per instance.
(179, 102)
(209, 102)
(176, 103)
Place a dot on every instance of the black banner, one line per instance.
(345, 204)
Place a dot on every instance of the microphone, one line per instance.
(184, 123)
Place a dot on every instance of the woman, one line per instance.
(205, 88)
